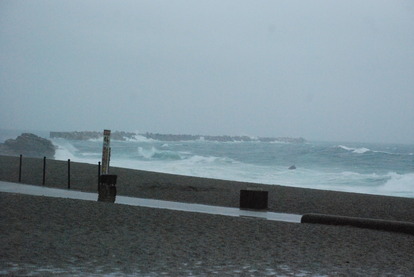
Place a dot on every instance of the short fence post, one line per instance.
(20, 168)
(44, 171)
(68, 173)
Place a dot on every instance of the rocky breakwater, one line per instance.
(224, 138)
(120, 135)
(28, 145)
(86, 135)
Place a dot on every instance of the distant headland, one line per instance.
(122, 136)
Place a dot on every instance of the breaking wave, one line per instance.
(317, 166)
(154, 153)
(64, 150)
(398, 184)
(361, 150)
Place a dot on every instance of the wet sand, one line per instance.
(65, 237)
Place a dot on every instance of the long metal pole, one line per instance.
(99, 172)
(20, 168)
(68, 173)
(44, 171)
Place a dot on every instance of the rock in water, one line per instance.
(28, 145)
(292, 167)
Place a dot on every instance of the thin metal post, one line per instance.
(68, 173)
(99, 172)
(44, 171)
(20, 168)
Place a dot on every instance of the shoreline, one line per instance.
(171, 187)
(64, 237)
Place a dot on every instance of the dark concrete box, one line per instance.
(253, 199)
(107, 188)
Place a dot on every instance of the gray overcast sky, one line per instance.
(323, 70)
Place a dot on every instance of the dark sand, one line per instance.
(65, 237)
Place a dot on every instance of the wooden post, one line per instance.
(44, 171)
(106, 182)
(20, 168)
(106, 151)
(68, 173)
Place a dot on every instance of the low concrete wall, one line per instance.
(376, 224)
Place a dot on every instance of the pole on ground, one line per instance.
(44, 171)
(68, 173)
(99, 172)
(20, 168)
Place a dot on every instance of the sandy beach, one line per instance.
(49, 236)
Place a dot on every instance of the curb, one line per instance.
(368, 223)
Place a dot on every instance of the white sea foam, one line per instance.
(399, 184)
(95, 139)
(64, 150)
(361, 150)
(255, 162)
(152, 152)
(139, 138)
(146, 153)
(227, 169)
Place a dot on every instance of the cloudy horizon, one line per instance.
(321, 70)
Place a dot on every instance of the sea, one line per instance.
(372, 168)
